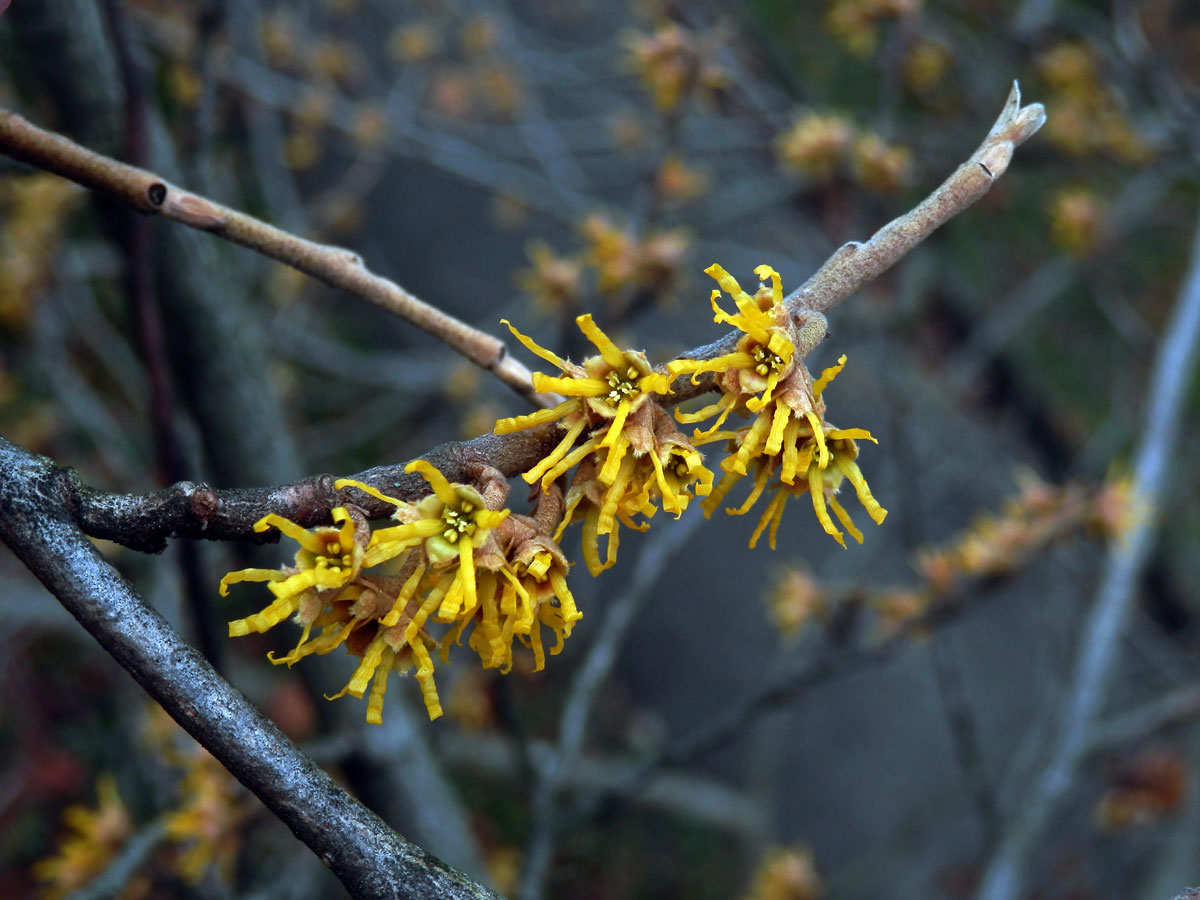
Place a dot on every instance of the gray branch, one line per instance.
(371, 860)
(1006, 870)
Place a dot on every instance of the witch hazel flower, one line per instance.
(630, 455)
(452, 559)
(789, 446)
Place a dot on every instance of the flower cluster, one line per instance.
(789, 446)
(674, 63)
(91, 840)
(999, 544)
(824, 146)
(453, 558)
(630, 455)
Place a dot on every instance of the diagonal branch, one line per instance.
(1005, 874)
(371, 860)
(148, 193)
(854, 264)
(845, 272)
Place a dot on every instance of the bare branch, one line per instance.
(336, 266)
(854, 264)
(371, 860)
(1101, 641)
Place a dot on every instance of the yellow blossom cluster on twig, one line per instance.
(674, 63)
(455, 558)
(789, 447)
(1039, 514)
(629, 454)
(786, 873)
(620, 262)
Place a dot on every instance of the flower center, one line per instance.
(458, 522)
(765, 361)
(621, 387)
(333, 559)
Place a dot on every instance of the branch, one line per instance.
(195, 510)
(371, 860)
(854, 264)
(148, 193)
(187, 509)
(1101, 639)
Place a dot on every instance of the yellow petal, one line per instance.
(250, 575)
(570, 387)
(816, 487)
(266, 619)
(844, 518)
(828, 375)
(616, 425)
(536, 348)
(779, 423)
(764, 272)
(541, 417)
(557, 453)
(819, 436)
(437, 481)
(608, 350)
(852, 472)
(301, 536)
(379, 688)
(367, 489)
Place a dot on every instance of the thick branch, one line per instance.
(194, 510)
(148, 193)
(371, 860)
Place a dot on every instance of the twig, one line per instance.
(113, 881)
(1101, 642)
(854, 264)
(191, 509)
(148, 193)
(845, 272)
(1182, 703)
(693, 798)
(371, 860)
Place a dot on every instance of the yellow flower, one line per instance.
(629, 452)
(879, 166)
(609, 393)
(92, 838)
(673, 63)
(207, 820)
(763, 356)
(816, 144)
(815, 464)
(329, 557)
(450, 526)
(527, 590)
(789, 442)
(553, 282)
(786, 873)
(381, 617)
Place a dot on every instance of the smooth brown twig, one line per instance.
(336, 266)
